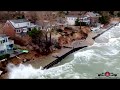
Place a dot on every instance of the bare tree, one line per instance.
(80, 19)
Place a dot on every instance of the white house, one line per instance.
(87, 17)
(18, 27)
(72, 18)
(93, 17)
(47, 25)
(5, 44)
(22, 25)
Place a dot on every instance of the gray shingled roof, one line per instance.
(19, 20)
(91, 14)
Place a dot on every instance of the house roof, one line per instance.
(21, 23)
(91, 14)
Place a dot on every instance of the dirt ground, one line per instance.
(1, 26)
(115, 19)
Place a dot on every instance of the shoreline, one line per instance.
(62, 57)
(105, 30)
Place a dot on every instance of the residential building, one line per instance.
(72, 18)
(6, 45)
(89, 18)
(61, 23)
(47, 25)
(93, 17)
(18, 27)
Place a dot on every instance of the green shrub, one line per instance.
(77, 23)
(104, 19)
(4, 56)
(118, 14)
(57, 46)
(59, 30)
(68, 28)
(34, 33)
(72, 33)
(82, 24)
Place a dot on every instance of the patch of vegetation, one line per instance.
(77, 23)
(111, 13)
(20, 17)
(118, 14)
(68, 28)
(4, 56)
(57, 46)
(83, 24)
(59, 30)
(72, 33)
(34, 33)
(61, 14)
(104, 19)
(66, 34)
(42, 41)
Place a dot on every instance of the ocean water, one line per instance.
(87, 63)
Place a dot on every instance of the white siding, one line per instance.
(71, 20)
(17, 25)
(7, 42)
(18, 30)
